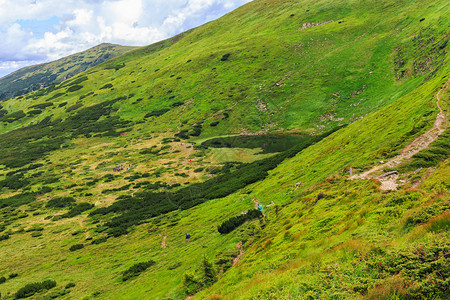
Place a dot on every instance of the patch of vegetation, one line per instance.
(136, 269)
(106, 86)
(42, 105)
(60, 202)
(76, 247)
(205, 276)
(12, 117)
(17, 200)
(33, 288)
(77, 210)
(234, 222)
(156, 113)
(269, 143)
(74, 88)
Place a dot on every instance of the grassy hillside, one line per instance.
(102, 175)
(33, 78)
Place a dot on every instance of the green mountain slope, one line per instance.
(104, 174)
(33, 78)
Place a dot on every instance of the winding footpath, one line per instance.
(389, 180)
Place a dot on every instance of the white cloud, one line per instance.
(83, 24)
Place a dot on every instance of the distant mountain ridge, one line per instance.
(35, 77)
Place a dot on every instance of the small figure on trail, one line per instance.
(260, 207)
(188, 236)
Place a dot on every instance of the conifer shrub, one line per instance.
(205, 276)
(17, 200)
(156, 113)
(14, 116)
(70, 285)
(60, 202)
(42, 105)
(137, 269)
(76, 247)
(13, 275)
(106, 86)
(78, 209)
(99, 240)
(234, 222)
(33, 288)
(2, 279)
(74, 88)
(225, 57)
(177, 104)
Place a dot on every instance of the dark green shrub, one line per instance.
(106, 86)
(137, 269)
(177, 104)
(2, 279)
(34, 112)
(85, 95)
(14, 182)
(70, 285)
(76, 247)
(79, 80)
(74, 88)
(74, 107)
(205, 276)
(225, 57)
(99, 240)
(4, 237)
(213, 124)
(42, 105)
(13, 275)
(33, 288)
(60, 202)
(234, 222)
(13, 116)
(78, 209)
(17, 200)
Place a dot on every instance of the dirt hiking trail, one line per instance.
(389, 180)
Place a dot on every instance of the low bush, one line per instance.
(17, 200)
(99, 240)
(78, 209)
(43, 105)
(234, 222)
(70, 285)
(225, 57)
(76, 247)
(33, 288)
(137, 269)
(74, 88)
(205, 276)
(2, 279)
(106, 86)
(60, 202)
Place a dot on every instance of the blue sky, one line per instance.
(37, 31)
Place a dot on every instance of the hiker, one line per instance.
(260, 207)
(188, 236)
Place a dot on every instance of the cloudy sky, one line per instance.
(36, 31)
